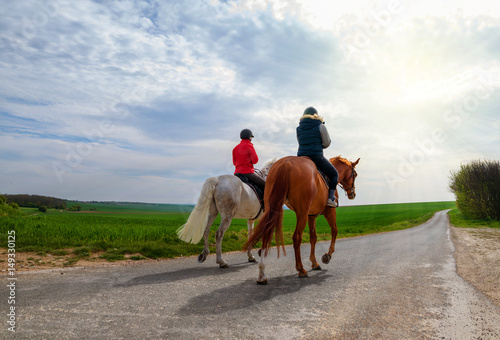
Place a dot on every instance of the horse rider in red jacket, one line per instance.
(244, 157)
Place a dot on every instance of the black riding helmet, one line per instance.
(310, 111)
(246, 134)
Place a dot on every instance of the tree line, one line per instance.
(476, 186)
(37, 201)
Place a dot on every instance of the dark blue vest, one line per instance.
(309, 137)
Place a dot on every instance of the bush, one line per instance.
(8, 209)
(43, 209)
(477, 189)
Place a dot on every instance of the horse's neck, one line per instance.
(341, 167)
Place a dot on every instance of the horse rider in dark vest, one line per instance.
(244, 157)
(313, 137)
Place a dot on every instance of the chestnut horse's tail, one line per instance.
(277, 184)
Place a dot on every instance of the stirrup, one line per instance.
(332, 204)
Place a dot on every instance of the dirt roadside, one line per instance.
(477, 254)
(32, 261)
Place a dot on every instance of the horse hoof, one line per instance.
(263, 282)
(252, 259)
(303, 276)
(201, 258)
(317, 268)
(326, 258)
(223, 264)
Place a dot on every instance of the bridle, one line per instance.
(344, 184)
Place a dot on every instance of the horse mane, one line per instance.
(341, 159)
(268, 165)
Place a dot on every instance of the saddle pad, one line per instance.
(258, 192)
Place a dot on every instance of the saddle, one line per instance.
(325, 179)
(323, 176)
(256, 189)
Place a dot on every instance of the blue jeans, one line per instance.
(327, 168)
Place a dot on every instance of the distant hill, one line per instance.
(131, 207)
(36, 201)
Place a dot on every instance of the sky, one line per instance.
(144, 100)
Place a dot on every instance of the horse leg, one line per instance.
(262, 279)
(297, 241)
(331, 217)
(212, 214)
(251, 258)
(313, 238)
(224, 225)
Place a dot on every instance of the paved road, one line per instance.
(388, 286)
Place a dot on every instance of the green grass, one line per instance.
(459, 220)
(154, 235)
(368, 219)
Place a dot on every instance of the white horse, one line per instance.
(229, 196)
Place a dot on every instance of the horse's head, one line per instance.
(347, 174)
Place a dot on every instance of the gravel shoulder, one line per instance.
(477, 256)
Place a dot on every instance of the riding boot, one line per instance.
(332, 202)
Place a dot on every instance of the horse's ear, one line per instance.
(355, 163)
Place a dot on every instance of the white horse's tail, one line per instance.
(192, 230)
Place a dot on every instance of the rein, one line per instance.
(344, 185)
(260, 173)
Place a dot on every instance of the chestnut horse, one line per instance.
(295, 181)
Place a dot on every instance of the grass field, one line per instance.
(150, 230)
(458, 220)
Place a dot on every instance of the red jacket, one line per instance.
(244, 157)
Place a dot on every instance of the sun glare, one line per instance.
(408, 71)
(413, 84)
(401, 65)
